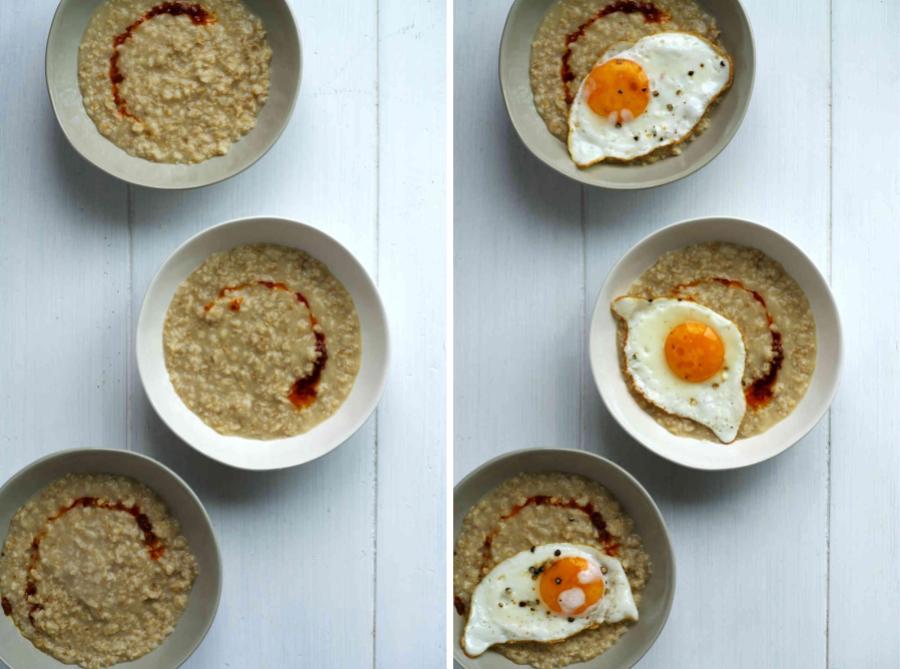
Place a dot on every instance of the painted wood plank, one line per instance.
(518, 268)
(411, 268)
(864, 583)
(63, 268)
(298, 546)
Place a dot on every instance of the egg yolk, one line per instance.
(694, 351)
(561, 576)
(618, 90)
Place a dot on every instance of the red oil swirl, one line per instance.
(762, 390)
(198, 15)
(306, 388)
(153, 543)
(607, 541)
(651, 13)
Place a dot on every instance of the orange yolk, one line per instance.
(562, 575)
(618, 90)
(694, 351)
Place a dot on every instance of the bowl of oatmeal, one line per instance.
(173, 94)
(263, 343)
(522, 501)
(108, 558)
(551, 55)
(666, 367)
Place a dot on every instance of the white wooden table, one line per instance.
(791, 563)
(325, 564)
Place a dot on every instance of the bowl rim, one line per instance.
(601, 309)
(54, 25)
(378, 304)
(120, 452)
(460, 657)
(582, 175)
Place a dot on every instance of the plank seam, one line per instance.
(377, 283)
(585, 325)
(129, 344)
(829, 270)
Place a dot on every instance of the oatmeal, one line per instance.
(262, 341)
(94, 570)
(174, 82)
(536, 509)
(771, 311)
(575, 34)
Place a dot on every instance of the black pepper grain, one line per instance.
(558, 552)
(690, 73)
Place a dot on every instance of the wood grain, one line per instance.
(411, 270)
(864, 583)
(78, 249)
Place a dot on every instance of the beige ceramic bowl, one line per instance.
(697, 453)
(274, 453)
(18, 653)
(69, 23)
(515, 55)
(648, 522)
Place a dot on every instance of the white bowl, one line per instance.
(69, 23)
(19, 653)
(725, 118)
(251, 453)
(648, 523)
(697, 453)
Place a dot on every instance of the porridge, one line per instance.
(532, 510)
(174, 82)
(94, 570)
(262, 341)
(575, 34)
(771, 311)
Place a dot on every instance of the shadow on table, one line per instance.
(77, 182)
(671, 484)
(223, 485)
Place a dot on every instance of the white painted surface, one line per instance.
(301, 548)
(793, 562)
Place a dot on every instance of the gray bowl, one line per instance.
(515, 55)
(69, 23)
(635, 500)
(18, 653)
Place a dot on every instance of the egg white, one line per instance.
(676, 105)
(718, 402)
(495, 616)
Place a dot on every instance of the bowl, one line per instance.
(18, 653)
(69, 23)
(251, 453)
(515, 56)
(635, 500)
(697, 453)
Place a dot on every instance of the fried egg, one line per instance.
(686, 359)
(546, 594)
(649, 95)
